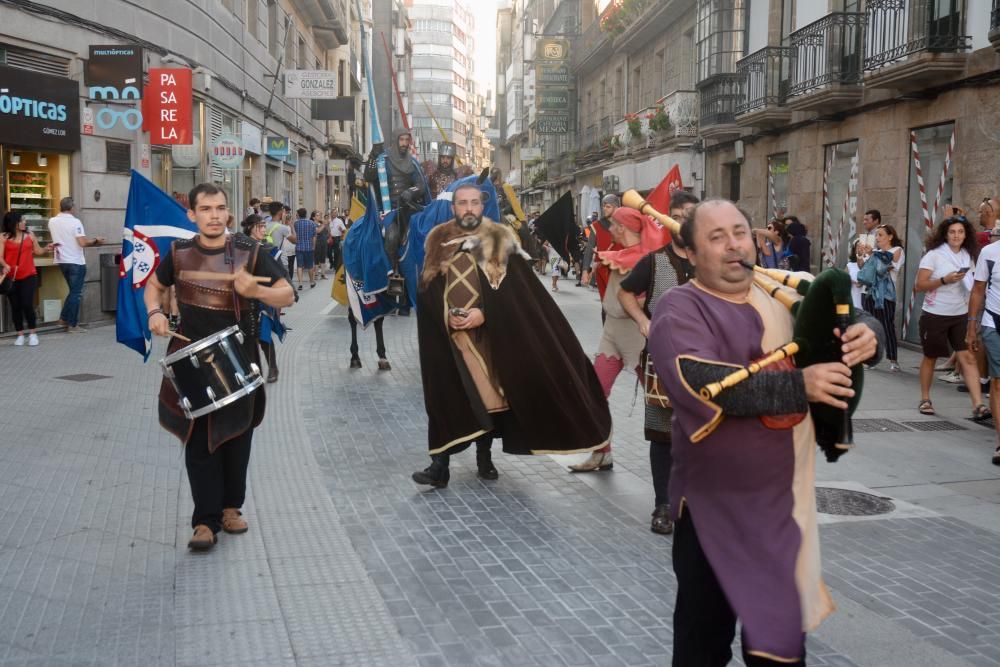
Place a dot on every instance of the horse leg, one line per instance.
(383, 363)
(355, 359)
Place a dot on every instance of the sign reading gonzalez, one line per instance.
(310, 83)
(39, 110)
(166, 106)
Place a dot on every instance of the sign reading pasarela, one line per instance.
(310, 83)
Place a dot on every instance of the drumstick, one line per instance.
(182, 337)
(215, 275)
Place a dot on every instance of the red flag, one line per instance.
(659, 198)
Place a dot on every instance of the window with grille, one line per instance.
(119, 157)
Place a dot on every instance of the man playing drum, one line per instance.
(217, 445)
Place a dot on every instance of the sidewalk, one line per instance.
(348, 562)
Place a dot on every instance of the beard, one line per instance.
(470, 221)
(403, 150)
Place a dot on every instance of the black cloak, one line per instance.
(556, 402)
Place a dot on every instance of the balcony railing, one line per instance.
(897, 29)
(764, 74)
(720, 95)
(995, 16)
(682, 109)
(827, 52)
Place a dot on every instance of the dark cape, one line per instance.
(556, 402)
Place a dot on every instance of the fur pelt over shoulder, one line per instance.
(491, 244)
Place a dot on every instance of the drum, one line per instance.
(212, 372)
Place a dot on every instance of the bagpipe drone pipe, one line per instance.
(818, 306)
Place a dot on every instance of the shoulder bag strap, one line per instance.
(17, 264)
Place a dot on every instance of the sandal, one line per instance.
(981, 412)
(926, 408)
(996, 457)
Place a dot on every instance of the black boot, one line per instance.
(436, 474)
(484, 462)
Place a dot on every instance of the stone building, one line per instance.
(839, 107)
(234, 48)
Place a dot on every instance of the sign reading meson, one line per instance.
(39, 110)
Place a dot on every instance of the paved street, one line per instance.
(348, 562)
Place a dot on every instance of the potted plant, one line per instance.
(659, 121)
(634, 125)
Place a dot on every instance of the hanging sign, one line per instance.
(227, 151)
(166, 106)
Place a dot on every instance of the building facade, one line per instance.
(237, 52)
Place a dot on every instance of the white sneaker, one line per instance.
(951, 378)
(19, 341)
(33, 340)
(893, 367)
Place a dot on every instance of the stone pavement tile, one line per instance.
(227, 643)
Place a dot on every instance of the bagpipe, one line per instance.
(818, 306)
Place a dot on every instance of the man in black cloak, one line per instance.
(497, 356)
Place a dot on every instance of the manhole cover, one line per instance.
(876, 426)
(83, 377)
(934, 425)
(850, 503)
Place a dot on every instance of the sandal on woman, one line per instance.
(925, 408)
(981, 412)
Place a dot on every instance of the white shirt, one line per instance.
(65, 229)
(988, 271)
(951, 299)
(852, 268)
(894, 269)
(337, 228)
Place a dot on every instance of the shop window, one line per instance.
(119, 157)
(932, 145)
(840, 181)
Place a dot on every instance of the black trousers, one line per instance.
(270, 354)
(704, 623)
(660, 461)
(218, 480)
(22, 303)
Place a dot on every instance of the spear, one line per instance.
(395, 83)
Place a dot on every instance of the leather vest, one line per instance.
(212, 294)
(441, 180)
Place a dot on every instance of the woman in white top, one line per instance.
(852, 269)
(945, 278)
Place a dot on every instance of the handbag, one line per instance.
(7, 285)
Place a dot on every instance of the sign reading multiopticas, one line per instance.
(310, 83)
(39, 110)
(167, 106)
(114, 65)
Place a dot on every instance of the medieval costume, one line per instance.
(485, 382)
(738, 472)
(600, 240)
(217, 445)
(445, 173)
(653, 276)
(621, 341)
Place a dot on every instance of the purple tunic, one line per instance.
(749, 488)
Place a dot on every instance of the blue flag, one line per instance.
(367, 267)
(152, 221)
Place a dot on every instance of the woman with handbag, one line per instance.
(20, 281)
(880, 273)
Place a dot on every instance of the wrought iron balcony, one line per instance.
(720, 94)
(827, 57)
(899, 29)
(765, 79)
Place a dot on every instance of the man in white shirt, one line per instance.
(984, 324)
(68, 242)
(337, 229)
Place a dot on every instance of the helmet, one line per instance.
(447, 149)
(612, 199)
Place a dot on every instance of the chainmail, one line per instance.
(664, 279)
